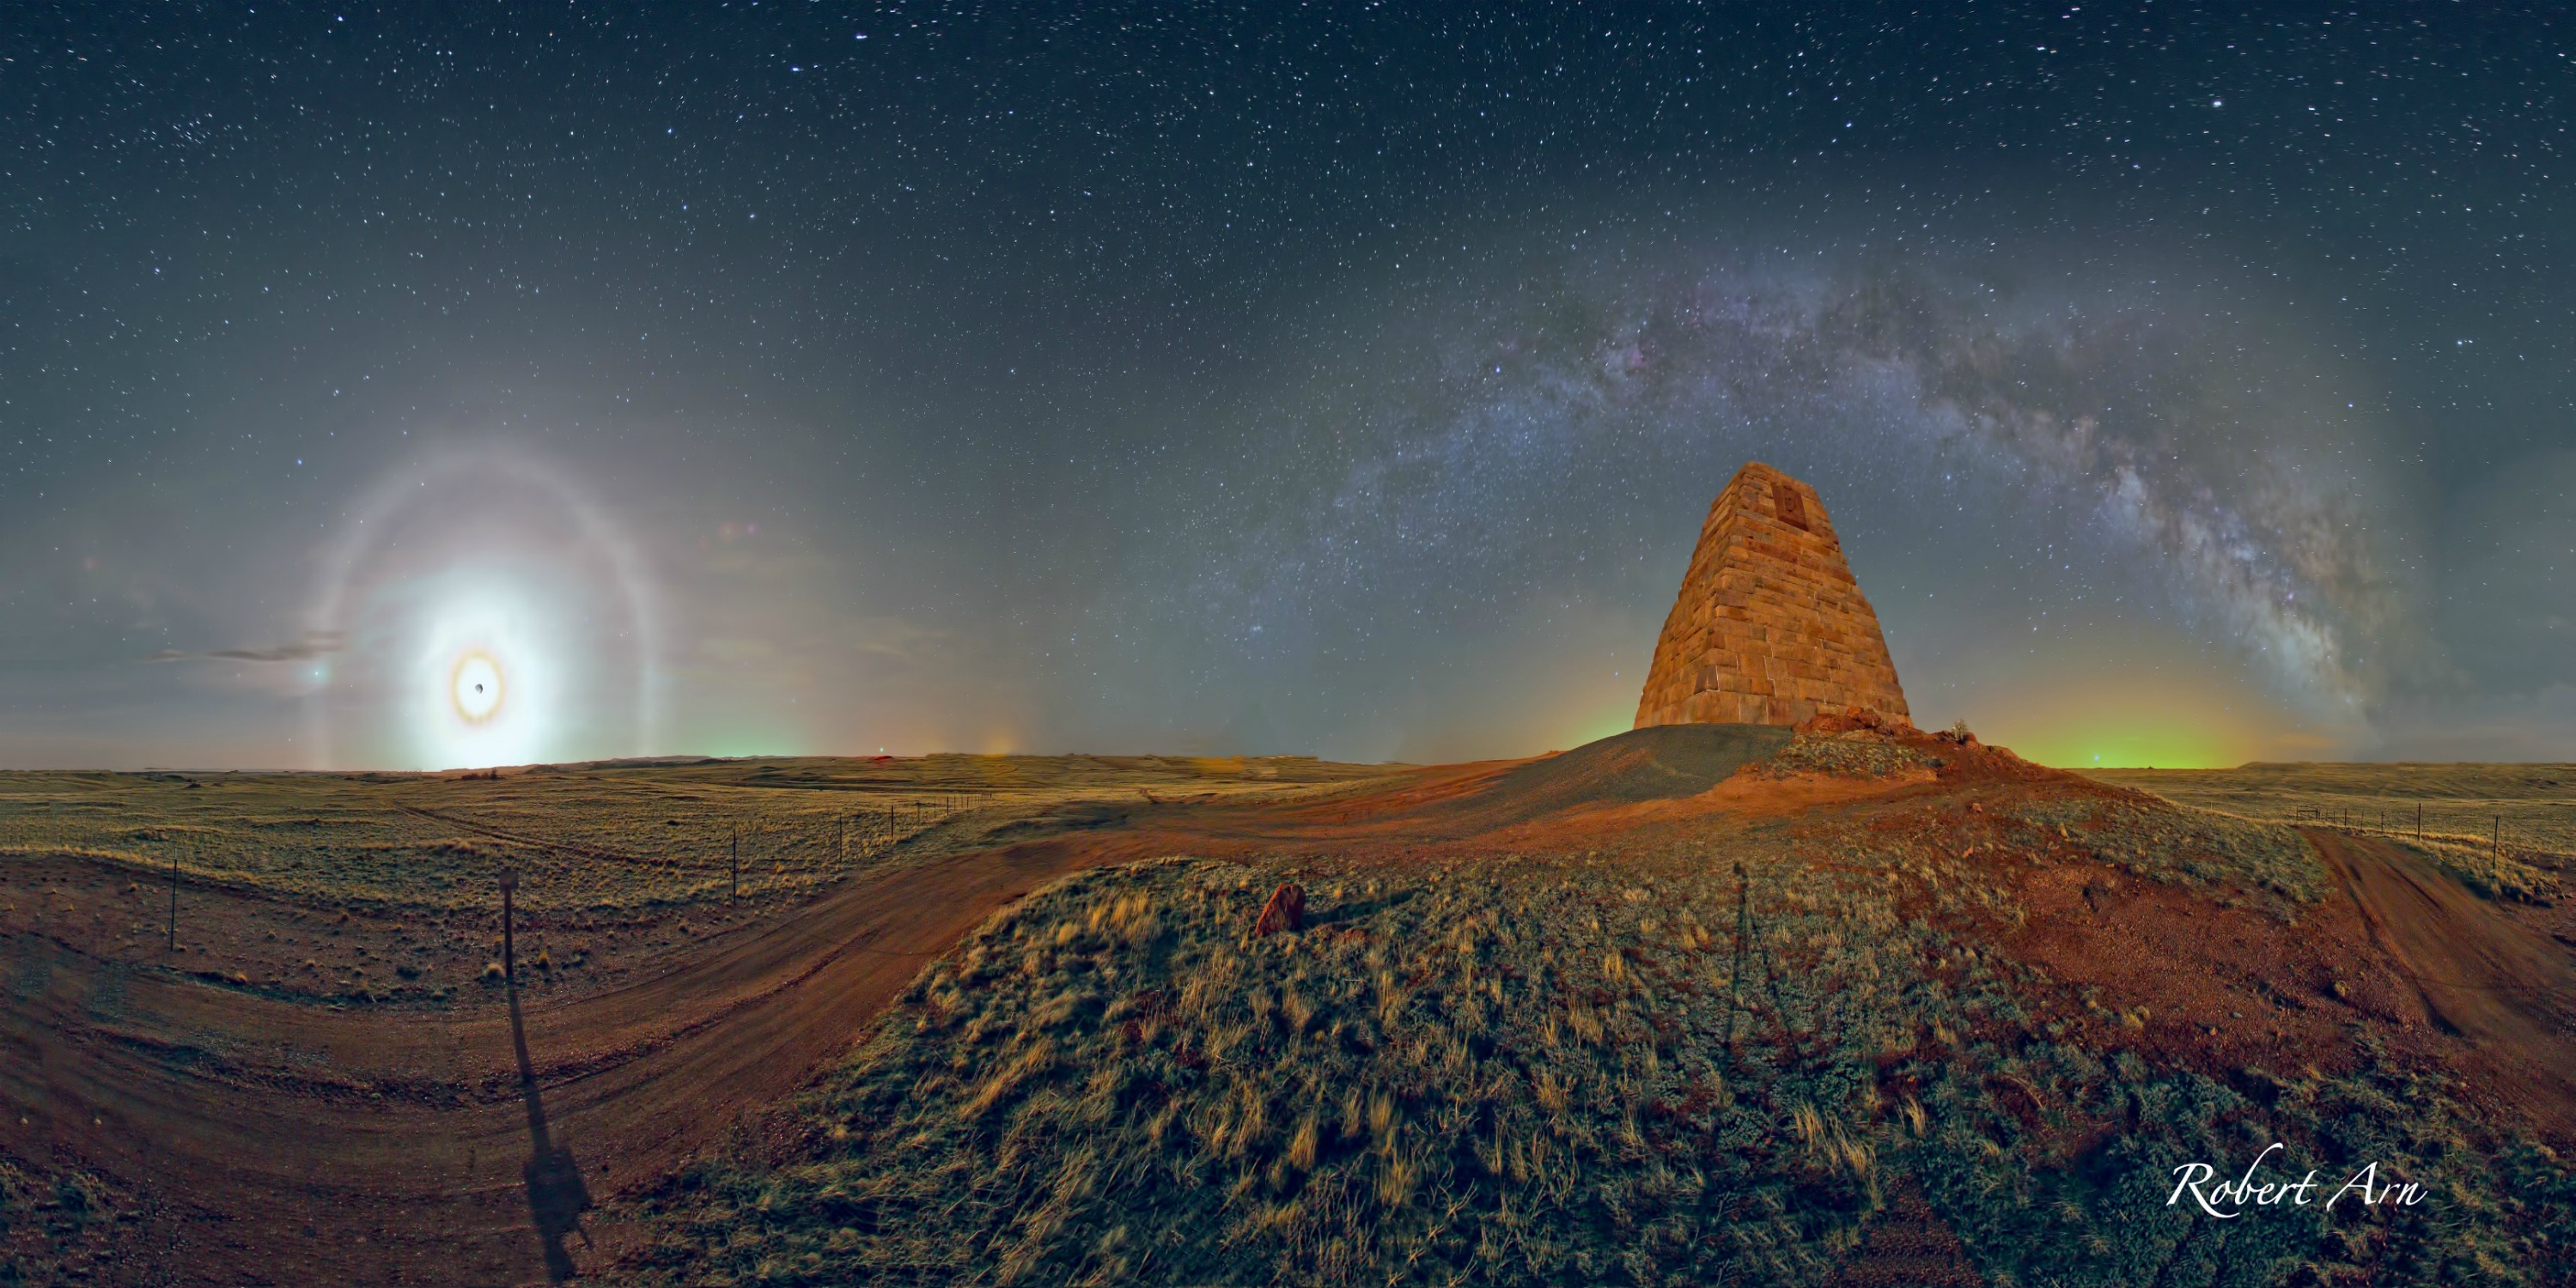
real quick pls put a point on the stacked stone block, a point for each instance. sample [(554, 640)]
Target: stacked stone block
[(1770, 626)]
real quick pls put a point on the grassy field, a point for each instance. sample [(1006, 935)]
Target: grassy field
[(1567, 1067), (2506, 829), (55, 1226), (1639, 1041), (380, 888), (602, 838)]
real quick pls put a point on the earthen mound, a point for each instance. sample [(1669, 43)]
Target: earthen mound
[(1855, 719), (1662, 762)]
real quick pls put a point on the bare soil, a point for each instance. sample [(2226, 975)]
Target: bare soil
[(2400, 951), (2487, 979)]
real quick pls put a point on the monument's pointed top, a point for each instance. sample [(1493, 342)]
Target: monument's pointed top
[(1770, 626)]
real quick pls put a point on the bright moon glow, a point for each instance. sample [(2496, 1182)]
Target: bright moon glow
[(476, 687), (469, 619), (493, 616)]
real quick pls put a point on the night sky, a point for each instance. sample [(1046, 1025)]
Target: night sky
[(2188, 385)]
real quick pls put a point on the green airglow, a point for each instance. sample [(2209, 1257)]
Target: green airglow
[(2130, 742), (1605, 723)]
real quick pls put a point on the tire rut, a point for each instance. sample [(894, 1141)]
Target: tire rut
[(2507, 990), (274, 1175)]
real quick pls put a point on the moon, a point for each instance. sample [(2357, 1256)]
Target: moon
[(474, 687)]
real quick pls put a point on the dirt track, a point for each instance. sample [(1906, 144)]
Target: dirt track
[(365, 1147), (2509, 991)]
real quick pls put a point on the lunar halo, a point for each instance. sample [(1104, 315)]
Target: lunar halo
[(494, 614)]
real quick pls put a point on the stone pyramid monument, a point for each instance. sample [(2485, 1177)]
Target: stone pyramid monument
[(1770, 627)]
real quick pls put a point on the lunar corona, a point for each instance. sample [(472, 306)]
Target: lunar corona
[(475, 687), (493, 615)]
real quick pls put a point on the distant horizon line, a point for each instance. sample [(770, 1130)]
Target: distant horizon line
[(692, 758)]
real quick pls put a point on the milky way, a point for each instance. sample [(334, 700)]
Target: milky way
[(2121, 417)]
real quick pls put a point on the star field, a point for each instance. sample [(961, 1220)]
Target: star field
[(1346, 380)]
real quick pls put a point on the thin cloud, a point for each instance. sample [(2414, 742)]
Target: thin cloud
[(305, 648)]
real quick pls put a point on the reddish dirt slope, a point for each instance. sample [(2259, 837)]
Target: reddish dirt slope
[(2484, 976), (2437, 973)]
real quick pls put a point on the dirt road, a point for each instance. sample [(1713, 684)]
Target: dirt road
[(280, 1142), (2506, 989)]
